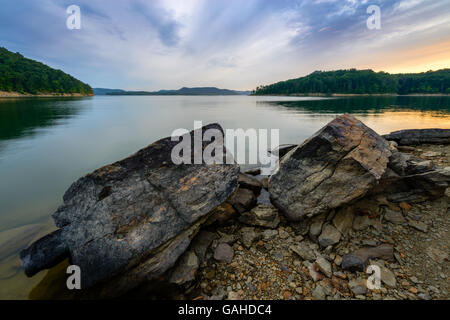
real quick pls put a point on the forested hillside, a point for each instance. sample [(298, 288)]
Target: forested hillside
[(19, 74), (362, 82)]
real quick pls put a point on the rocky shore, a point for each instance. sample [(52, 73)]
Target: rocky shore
[(342, 200)]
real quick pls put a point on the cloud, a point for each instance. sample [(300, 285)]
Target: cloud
[(150, 45)]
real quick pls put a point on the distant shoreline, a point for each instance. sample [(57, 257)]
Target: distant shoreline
[(4, 94), (13, 94), (355, 95)]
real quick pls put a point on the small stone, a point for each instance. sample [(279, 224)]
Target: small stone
[(318, 293), (324, 266), (216, 297), (394, 216), (361, 222), (437, 254), (242, 200), (343, 220), (277, 255), (434, 289), (413, 290), (211, 274), (228, 238), (287, 295), (358, 287), (357, 261), (387, 276), (283, 234), (248, 182), (251, 287), (405, 206), (312, 272), (269, 234), (424, 296), (418, 225), (316, 226), (431, 154), (261, 216), (304, 251), (340, 275), (224, 253), (248, 236), (233, 296), (369, 243), (329, 236)]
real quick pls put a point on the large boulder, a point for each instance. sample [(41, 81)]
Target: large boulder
[(337, 165), (419, 136), (130, 221)]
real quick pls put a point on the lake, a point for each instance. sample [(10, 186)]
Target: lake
[(47, 143)]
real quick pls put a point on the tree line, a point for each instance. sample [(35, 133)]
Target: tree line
[(19, 74), (362, 82)]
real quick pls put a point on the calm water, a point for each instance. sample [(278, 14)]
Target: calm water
[(46, 144)]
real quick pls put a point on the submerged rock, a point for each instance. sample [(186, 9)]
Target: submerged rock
[(44, 253), (338, 164), (13, 240), (130, 221)]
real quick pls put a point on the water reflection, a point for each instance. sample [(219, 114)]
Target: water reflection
[(376, 104), (21, 117)]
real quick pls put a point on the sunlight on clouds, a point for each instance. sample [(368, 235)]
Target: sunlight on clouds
[(151, 45)]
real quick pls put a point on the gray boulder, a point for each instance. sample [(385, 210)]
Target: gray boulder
[(130, 221), (419, 136), (412, 181), (337, 165)]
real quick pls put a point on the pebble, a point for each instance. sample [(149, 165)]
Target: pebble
[(324, 266), (318, 293)]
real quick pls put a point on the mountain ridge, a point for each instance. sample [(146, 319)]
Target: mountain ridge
[(182, 91)]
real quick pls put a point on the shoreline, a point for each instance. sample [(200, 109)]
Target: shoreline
[(13, 94), (354, 95)]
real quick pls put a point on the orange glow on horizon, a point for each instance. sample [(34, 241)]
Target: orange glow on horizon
[(432, 57)]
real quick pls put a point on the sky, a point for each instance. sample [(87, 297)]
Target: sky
[(234, 44)]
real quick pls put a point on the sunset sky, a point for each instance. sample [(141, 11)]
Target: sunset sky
[(235, 44)]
